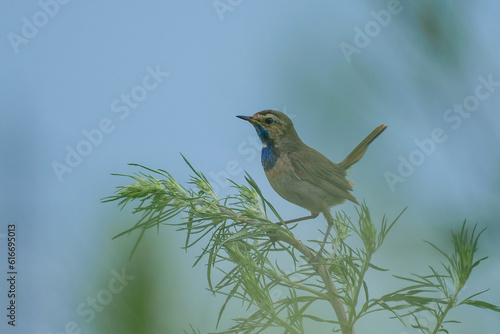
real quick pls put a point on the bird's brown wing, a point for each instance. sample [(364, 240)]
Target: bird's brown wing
[(313, 167)]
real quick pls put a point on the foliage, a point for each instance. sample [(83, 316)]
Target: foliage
[(238, 239)]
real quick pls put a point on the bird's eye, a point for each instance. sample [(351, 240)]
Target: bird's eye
[(269, 120)]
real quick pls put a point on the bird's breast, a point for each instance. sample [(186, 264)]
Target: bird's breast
[(269, 156)]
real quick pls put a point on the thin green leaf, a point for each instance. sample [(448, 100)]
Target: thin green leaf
[(482, 304)]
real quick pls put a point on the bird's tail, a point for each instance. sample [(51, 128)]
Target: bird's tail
[(360, 150)]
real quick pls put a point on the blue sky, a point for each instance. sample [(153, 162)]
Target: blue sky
[(124, 82)]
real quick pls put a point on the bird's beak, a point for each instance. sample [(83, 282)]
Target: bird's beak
[(249, 119)]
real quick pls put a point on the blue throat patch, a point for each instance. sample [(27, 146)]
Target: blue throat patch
[(268, 155)]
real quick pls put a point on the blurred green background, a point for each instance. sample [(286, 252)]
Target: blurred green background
[(338, 69)]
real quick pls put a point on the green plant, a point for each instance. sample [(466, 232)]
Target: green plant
[(432, 293), (250, 251)]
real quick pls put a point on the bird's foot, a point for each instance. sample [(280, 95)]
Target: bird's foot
[(296, 220), (317, 258)]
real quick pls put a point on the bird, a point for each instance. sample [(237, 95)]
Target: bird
[(301, 174)]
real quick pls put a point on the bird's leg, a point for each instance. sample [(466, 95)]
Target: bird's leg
[(329, 220), (312, 216)]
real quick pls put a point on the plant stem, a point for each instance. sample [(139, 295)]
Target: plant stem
[(333, 298), (449, 306), (322, 270), (352, 315)]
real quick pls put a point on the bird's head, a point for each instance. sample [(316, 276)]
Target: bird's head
[(272, 126)]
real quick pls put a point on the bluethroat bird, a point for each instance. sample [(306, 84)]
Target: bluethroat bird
[(299, 173)]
